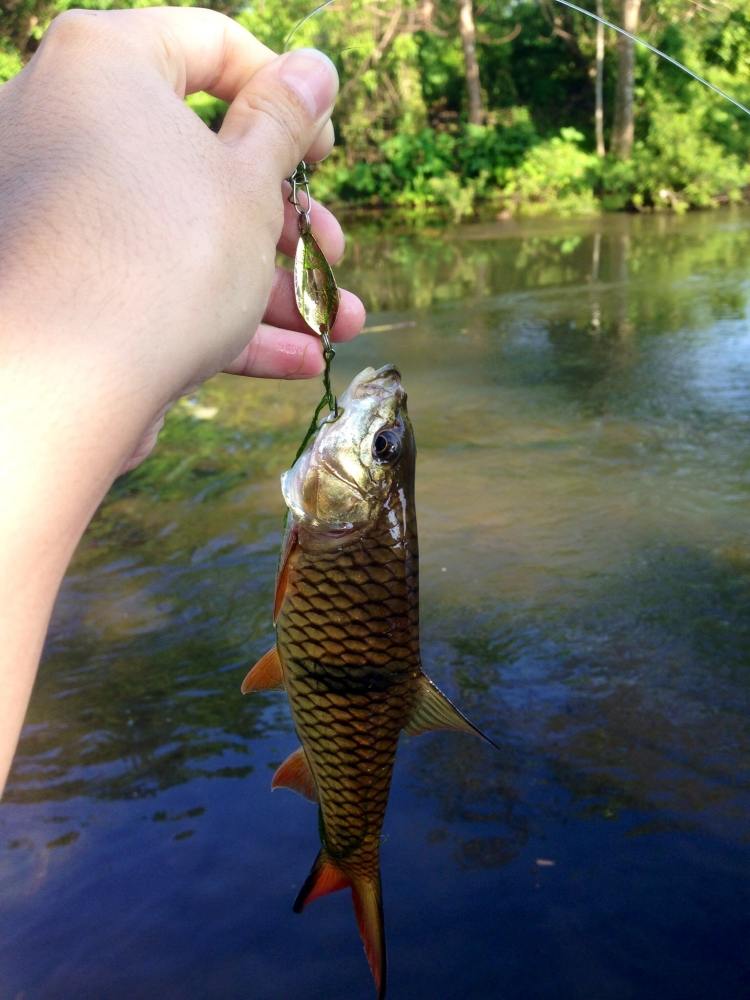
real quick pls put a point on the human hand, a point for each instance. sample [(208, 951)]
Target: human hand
[(145, 242), (137, 258)]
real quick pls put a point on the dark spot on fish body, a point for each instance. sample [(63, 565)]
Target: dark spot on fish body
[(338, 678)]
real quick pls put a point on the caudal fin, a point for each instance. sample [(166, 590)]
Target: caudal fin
[(368, 907), (326, 877)]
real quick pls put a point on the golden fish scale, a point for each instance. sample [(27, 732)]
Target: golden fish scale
[(348, 634)]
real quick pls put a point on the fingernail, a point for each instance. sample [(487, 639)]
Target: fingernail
[(313, 77)]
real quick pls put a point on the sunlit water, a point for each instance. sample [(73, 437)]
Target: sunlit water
[(581, 398)]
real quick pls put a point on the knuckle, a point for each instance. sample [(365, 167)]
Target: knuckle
[(95, 34), (72, 26)]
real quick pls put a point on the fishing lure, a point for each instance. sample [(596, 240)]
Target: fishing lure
[(315, 288)]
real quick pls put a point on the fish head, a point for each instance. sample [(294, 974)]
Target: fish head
[(358, 462)]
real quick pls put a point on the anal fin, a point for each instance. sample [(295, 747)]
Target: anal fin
[(295, 773), (433, 710), (266, 675)]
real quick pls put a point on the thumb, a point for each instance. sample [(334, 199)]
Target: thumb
[(283, 108)]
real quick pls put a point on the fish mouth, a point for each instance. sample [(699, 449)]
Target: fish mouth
[(383, 381), (387, 372)]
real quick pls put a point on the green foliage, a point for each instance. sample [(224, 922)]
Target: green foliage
[(437, 171), (676, 167), (557, 173), (401, 120), (210, 109), (10, 60)]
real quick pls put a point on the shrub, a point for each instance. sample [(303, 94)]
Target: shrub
[(556, 174), (676, 167)]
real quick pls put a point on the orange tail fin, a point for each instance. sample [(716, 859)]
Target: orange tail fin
[(325, 877), (368, 907)]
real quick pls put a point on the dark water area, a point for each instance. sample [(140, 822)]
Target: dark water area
[(580, 393)]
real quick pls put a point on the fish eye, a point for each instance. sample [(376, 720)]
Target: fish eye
[(386, 446)]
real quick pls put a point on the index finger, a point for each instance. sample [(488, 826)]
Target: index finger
[(192, 48), (205, 50)]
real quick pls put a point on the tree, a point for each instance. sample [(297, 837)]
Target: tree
[(623, 129), (599, 83), (469, 41)]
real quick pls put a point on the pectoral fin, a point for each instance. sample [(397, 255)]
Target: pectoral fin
[(288, 545), (266, 675), (433, 710), (295, 773)]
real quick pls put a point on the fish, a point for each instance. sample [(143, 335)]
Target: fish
[(347, 650)]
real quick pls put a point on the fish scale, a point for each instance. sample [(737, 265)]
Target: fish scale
[(343, 671)]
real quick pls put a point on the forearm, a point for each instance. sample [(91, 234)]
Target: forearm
[(61, 444)]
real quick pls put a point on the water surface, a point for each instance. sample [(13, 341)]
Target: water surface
[(581, 398)]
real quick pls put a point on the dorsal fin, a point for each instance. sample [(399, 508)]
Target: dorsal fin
[(432, 710), (266, 675), (295, 773)]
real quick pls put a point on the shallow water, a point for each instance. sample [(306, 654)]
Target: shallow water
[(581, 398)]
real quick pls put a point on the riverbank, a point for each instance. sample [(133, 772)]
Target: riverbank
[(509, 170)]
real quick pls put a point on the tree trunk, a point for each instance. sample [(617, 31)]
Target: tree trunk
[(468, 40), (599, 82), (622, 132)]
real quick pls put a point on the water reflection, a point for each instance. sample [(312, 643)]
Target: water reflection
[(147, 665), (581, 397)]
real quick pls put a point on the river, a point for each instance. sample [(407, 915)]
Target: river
[(580, 392)]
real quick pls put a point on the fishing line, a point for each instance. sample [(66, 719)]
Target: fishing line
[(315, 287), (651, 48), (304, 20), (586, 13)]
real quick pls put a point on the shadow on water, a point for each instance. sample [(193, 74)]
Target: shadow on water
[(581, 398)]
